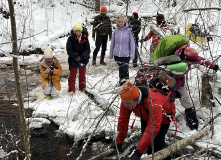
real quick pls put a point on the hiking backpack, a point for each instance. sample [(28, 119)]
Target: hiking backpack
[(168, 45), (158, 78)]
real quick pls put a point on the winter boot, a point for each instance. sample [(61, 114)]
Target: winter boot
[(191, 118), (102, 60), (93, 63)]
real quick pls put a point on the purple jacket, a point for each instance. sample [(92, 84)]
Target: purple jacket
[(122, 43), (200, 60)]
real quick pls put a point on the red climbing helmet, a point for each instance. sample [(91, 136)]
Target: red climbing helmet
[(191, 54)]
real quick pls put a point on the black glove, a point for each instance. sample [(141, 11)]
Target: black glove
[(78, 58), (113, 146), (216, 68), (135, 155)]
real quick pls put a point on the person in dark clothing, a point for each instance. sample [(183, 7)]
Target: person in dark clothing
[(135, 25), (78, 50), (102, 28)]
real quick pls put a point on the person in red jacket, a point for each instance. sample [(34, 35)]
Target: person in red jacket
[(135, 100), (156, 39)]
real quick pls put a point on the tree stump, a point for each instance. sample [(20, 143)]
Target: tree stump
[(207, 96)]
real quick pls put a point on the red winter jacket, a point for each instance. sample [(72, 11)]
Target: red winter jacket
[(160, 105), (155, 39)]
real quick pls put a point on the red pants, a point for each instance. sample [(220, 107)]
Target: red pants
[(72, 78)]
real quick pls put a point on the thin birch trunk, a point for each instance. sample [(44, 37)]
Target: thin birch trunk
[(25, 135)]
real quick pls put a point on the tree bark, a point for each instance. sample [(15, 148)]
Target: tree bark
[(97, 5), (178, 145), (207, 96), (25, 135)]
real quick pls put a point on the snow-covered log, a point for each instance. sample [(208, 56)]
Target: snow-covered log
[(178, 145)]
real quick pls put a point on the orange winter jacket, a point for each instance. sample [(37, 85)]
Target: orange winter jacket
[(55, 78)]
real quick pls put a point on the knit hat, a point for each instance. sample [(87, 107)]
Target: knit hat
[(135, 14), (48, 52), (78, 27), (160, 17), (129, 91), (104, 8), (191, 54)]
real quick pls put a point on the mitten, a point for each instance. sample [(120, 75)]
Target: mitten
[(135, 155), (113, 146), (216, 68), (78, 58)]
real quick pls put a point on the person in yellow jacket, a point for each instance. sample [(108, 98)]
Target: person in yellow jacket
[(50, 69)]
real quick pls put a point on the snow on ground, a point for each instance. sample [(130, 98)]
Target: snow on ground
[(77, 115)]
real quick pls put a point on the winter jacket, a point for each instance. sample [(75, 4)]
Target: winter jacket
[(143, 109), (135, 25), (155, 39), (200, 60), (54, 77), (122, 43), (102, 26), (75, 48)]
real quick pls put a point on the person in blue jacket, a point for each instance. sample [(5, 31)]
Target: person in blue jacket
[(122, 48)]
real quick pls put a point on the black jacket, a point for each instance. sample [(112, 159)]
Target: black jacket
[(135, 25), (102, 26), (75, 48)]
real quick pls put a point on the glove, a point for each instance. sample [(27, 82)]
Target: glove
[(110, 38), (216, 68), (113, 146), (78, 58), (135, 155), (93, 38)]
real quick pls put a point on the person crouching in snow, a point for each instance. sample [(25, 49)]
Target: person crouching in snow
[(50, 69), (134, 99), (78, 50)]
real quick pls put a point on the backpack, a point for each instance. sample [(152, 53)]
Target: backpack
[(168, 45), (158, 78), (194, 32)]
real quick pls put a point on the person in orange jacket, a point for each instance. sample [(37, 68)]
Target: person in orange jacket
[(134, 99), (50, 69)]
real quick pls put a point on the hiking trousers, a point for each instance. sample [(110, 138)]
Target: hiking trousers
[(72, 78), (50, 89), (100, 41)]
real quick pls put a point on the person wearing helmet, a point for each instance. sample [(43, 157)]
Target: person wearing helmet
[(102, 29), (190, 56), (156, 39)]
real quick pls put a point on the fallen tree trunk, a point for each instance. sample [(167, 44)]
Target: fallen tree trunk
[(178, 145)]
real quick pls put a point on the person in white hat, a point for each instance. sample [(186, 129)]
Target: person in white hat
[(50, 69)]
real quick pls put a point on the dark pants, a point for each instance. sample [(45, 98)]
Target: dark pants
[(123, 68), (136, 49), (100, 40), (72, 78), (159, 141)]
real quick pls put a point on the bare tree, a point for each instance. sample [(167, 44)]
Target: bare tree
[(25, 135)]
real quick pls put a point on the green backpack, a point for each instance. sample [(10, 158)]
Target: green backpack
[(168, 45)]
